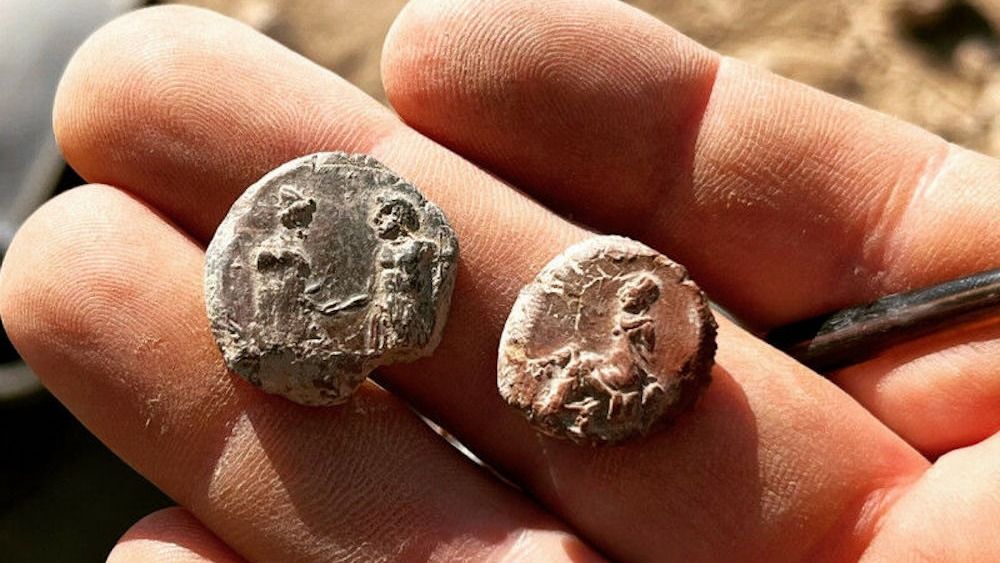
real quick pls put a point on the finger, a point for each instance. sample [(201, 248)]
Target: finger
[(103, 298), (717, 482), (147, 138), (171, 534), (783, 201), (941, 392), (949, 513)]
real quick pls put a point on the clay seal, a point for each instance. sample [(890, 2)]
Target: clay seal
[(609, 340), (327, 267)]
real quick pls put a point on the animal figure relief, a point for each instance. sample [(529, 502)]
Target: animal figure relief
[(608, 341), (584, 381)]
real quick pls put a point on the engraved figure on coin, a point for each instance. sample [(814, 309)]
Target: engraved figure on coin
[(621, 374), (609, 340), (327, 267), (559, 381), (281, 258), (402, 285), (624, 374)]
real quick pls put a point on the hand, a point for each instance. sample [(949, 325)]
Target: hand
[(782, 201)]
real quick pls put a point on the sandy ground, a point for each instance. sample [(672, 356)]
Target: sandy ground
[(931, 62)]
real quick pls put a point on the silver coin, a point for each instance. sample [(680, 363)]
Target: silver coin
[(608, 340), (327, 267)]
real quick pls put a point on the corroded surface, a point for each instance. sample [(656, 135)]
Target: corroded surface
[(610, 338), (327, 267)]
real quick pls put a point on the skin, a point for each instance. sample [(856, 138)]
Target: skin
[(782, 202)]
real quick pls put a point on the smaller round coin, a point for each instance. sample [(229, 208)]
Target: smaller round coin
[(610, 339), (327, 267)]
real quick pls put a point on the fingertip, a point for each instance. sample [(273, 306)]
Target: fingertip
[(73, 268), (31, 288), (131, 88), (535, 91), (413, 66), (116, 74), (172, 534), (171, 96)]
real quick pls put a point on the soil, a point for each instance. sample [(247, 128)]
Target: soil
[(935, 63)]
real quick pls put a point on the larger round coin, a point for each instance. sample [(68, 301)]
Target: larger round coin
[(326, 268), (609, 339)]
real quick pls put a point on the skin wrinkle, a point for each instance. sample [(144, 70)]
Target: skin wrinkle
[(659, 209), (891, 216), (966, 488), (928, 214), (816, 145), (857, 526)]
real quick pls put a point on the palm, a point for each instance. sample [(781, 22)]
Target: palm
[(783, 202)]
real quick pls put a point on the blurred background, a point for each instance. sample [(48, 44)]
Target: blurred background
[(65, 497)]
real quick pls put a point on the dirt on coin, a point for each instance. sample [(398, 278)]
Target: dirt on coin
[(327, 267), (610, 339)]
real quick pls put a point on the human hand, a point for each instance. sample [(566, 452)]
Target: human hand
[(783, 202)]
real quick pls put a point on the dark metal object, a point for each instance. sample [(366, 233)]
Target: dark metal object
[(327, 267), (849, 336), (609, 340)]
